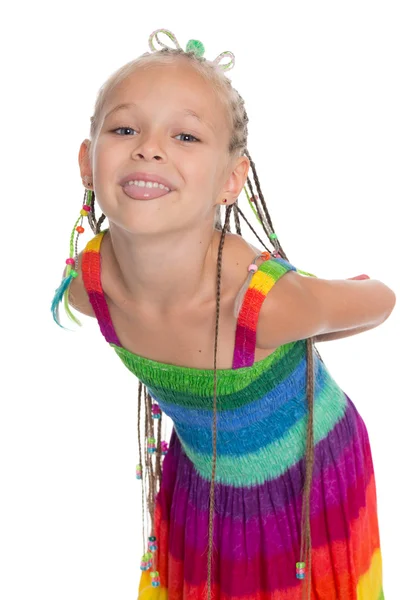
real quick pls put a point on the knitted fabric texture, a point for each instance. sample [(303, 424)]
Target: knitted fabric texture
[(261, 432)]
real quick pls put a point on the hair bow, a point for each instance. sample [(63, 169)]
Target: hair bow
[(192, 46)]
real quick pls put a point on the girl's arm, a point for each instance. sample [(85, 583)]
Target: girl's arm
[(337, 335), (299, 307)]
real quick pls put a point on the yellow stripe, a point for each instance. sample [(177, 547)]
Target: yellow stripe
[(148, 592), (262, 282), (94, 244), (370, 584)]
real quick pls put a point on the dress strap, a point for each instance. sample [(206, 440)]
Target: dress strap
[(91, 276), (267, 274)]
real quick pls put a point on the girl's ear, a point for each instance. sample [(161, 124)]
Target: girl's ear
[(84, 161), (236, 179)]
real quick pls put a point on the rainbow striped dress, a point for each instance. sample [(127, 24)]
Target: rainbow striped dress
[(261, 434)]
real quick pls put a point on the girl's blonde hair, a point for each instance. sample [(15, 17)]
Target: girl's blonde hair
[(237, 119)]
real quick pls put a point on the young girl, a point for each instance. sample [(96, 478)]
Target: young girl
[(267, 489)]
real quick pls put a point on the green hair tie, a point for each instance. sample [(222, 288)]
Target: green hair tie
[(195, 46)]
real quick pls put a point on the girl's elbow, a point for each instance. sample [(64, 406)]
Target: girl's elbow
[(391, 302)]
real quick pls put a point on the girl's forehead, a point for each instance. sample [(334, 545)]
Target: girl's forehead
[(183, 90), (178, 79)]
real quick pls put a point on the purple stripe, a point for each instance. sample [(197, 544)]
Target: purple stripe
[(100, 308), (338, 495), (245, 343)]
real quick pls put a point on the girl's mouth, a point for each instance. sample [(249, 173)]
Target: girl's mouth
[(138, 192)]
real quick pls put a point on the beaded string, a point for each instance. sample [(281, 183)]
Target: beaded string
[(155, 448), (71, 272), (273, 236)]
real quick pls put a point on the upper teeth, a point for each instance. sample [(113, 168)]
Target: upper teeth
[(148, 184)]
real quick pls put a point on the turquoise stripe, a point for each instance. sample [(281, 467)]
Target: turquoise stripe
[(272, 461)]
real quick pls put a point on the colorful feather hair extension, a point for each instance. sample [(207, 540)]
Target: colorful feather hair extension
[(61, 293)]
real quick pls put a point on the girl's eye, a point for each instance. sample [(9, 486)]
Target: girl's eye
[(187, 135), (119, 129), (184, 134)]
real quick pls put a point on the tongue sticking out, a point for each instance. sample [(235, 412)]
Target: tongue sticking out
[(143, 193)]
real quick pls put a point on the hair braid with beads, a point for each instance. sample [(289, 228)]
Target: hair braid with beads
[(237, 146)]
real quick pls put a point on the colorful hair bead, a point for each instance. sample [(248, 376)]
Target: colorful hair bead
[(266, 255), (251, 203), (253, 267), (164, 448), (80, 229), (155, 578), (155, 411), (300, 570), (146, 562), (152, 544), (139, 474), (273, 236), (151, 445)]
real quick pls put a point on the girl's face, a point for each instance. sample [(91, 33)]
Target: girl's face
[(155, 134)]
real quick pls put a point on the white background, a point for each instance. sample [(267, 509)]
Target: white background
[(321, 85)]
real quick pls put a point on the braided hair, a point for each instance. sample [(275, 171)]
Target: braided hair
[(238, 118)]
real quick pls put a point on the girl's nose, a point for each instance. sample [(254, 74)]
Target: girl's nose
[(149, 147)]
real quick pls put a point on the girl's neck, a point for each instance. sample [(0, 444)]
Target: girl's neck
[(162, 273)]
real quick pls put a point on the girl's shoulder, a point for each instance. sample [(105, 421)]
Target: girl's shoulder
[(237, 255)]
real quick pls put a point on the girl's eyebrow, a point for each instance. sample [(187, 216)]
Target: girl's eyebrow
[(192, 113), (187, 111), (119, 107)]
